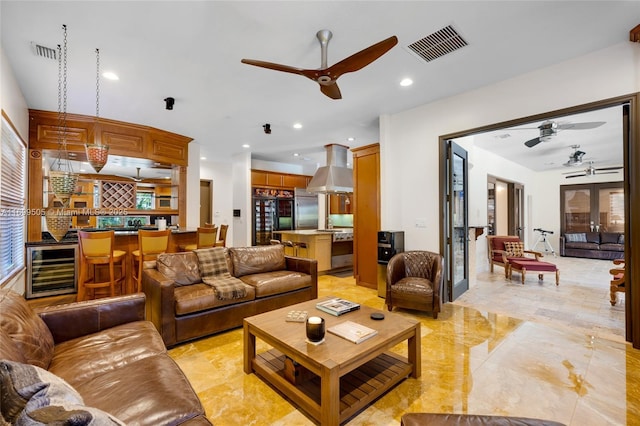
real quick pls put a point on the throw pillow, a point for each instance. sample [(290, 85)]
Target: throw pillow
[(182, 268), (514, 249), (213, 262), (580, 237), (33, 396)]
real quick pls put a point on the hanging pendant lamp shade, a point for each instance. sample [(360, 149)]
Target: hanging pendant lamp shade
[(97, 154)]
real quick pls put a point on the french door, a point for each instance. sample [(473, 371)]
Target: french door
[(456, 222)]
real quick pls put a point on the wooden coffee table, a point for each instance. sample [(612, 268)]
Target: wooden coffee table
[(347, 377)]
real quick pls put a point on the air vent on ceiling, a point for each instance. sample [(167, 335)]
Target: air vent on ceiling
[(45, 52), (438, 44)]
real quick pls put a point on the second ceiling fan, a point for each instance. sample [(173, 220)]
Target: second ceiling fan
[(327, 76)]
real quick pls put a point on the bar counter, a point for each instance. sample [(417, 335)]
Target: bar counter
[(126, 240)]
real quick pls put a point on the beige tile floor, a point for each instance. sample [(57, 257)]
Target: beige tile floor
[(502, 349)]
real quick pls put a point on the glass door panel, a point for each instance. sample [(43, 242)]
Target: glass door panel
[(457, 255), (577, 210)]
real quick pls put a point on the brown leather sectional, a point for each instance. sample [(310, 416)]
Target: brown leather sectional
[(106, 351), (183, 308)]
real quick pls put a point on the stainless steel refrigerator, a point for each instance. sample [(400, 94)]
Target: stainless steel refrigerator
[(306, 209)]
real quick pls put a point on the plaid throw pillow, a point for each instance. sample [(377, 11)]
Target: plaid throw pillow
[(514, 249), (213, 262)]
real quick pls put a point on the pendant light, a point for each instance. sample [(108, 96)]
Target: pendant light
[(62, 179), (97, 154)]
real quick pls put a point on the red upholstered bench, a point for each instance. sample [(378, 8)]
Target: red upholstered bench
[(530, 265)]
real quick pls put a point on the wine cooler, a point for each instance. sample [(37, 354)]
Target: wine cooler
[(51, 269)]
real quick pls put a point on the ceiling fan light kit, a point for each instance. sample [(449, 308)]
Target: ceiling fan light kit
[(327, 76)]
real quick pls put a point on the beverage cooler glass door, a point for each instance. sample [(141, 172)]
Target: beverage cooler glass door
[(285, 214), (264, 215), (51, 270)]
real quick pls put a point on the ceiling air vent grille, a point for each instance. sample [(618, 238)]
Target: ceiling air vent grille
[(45, 52), (438, 44)]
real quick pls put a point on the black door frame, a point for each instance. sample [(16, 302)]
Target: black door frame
[(631, 146)]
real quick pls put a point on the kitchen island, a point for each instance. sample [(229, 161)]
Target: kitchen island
[(315, 244)]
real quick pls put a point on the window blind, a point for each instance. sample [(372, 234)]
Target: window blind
[(12, 201)]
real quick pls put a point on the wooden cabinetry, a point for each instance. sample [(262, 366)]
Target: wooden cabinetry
[(366, 214), (266, 179), (340, 204), (123, 139)]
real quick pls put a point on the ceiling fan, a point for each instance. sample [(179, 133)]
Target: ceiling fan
[(135, 178), (550, 128), (592, 171), (575, 159), (327, 76)]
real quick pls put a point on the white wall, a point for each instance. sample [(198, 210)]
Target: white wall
[(14, 106), (409, 140), (241, 175), (222, 203)]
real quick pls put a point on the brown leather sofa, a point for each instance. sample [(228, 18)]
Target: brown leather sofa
[(183, 308), (433, 419), (105, 350), (593, 245)]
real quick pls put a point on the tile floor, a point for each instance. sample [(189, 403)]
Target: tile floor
[(502, 349)]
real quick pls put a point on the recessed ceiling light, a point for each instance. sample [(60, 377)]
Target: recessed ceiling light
[(295, 154), (110, 75), (297, 126), (203, 158), (246, 145), (351, 139), (406, 82)]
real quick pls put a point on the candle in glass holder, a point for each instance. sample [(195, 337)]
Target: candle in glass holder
[(315, 329)]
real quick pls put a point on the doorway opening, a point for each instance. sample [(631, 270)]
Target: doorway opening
[(548, 202), (206, 202), (505, 207)]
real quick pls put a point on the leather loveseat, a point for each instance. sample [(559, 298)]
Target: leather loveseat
[(93, 362), (183, 307), (594, 245)]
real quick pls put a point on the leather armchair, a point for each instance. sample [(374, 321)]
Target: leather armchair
[(414, 281)]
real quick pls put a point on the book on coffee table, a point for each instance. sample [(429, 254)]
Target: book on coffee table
[(337, 306), (352, 331)]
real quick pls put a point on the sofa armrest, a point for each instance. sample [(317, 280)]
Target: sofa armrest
[(305, 266), (562, 247), (78, 319), (160, 303)]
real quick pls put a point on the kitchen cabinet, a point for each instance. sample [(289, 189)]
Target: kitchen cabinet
[(340, 204), (267, 179), (366, 214), (318, 246)]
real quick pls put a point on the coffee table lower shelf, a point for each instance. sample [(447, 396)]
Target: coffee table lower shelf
[(358, 388)]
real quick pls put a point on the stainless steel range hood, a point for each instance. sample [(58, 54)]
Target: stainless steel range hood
[(335, 177)]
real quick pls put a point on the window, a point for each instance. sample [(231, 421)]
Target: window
[(12, 201)]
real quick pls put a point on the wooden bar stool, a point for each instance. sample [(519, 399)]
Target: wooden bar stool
[(222, 238), (96, 248), (150, 245), (205, 237)]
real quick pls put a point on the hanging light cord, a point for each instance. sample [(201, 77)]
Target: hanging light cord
[(97, 83), (62, 103)]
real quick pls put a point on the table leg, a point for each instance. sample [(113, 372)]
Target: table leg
[(330, 396), (557, 277), (249, 349), (524, 271), (415, 355)]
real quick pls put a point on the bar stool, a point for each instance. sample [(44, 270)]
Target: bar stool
[(150, 245), (205, 238), (96, 248), (222, 238)]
